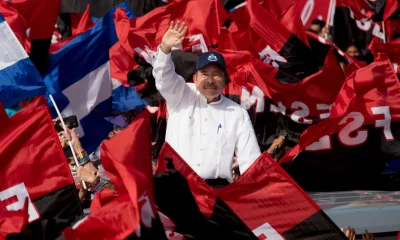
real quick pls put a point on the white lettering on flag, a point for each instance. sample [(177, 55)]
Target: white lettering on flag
[(269, 56), (256, 97), (266, 231), (21, 193)]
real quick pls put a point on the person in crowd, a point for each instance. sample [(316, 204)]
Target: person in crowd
[(204, 127), (351, 234), (94, 177), (316, 26), (353, 50)]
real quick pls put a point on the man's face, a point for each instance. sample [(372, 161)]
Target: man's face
[(210, 80)]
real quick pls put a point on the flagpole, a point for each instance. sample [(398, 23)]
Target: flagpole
[(384, 32), (65, 129)]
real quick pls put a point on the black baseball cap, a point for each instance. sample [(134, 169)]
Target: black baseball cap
[(210, 58)]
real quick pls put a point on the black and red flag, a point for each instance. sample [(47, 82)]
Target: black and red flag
[(287, 13), (277, 108), (263, 203), (348, 30), (351, 148), (377, 10), (391, 49), (130, 211), (256, 30), (33, 166)]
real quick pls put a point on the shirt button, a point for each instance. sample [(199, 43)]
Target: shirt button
[(204, 134), (201, 149), (205, 120), (198, 165)]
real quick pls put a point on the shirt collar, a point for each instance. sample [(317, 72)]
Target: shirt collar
[(204, 99)]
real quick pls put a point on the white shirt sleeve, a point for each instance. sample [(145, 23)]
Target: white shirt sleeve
[(171, 86), (246, 149)]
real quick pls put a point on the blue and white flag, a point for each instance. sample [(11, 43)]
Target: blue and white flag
[(79, 80), (124, 98), (19, 78)]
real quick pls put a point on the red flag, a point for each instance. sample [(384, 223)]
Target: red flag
[(322, 40), (276, 107), (392, 29), (13, 221), (391, 49), (127, 161), (204, 19), (379, 10), (310, 11), (81, 22), (3, 114), (115, 220), (320, 88), (30, 144), (288, 14), (40, 16), (372, 91), (279, 209), (256, 30), (15, 21)]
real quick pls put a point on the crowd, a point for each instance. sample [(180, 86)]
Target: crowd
[(188, 96)]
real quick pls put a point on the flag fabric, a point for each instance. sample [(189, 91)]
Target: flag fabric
[(378, 11), (391, 49), (40, 16), (13, 222), (101, 7), (360, 137), (30, 144), (79, 80), (324, 41), (79, 23), (277, 108), (346, 29), (16, 23), (262, 203), (287, 13), (146, 32), (20, 79), (131, 212), (3, 114), (256, 30), (392, 29), (310, 10)]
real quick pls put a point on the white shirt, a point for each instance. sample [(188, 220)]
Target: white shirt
[(205, 135)]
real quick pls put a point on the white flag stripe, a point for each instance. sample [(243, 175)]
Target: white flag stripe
[(11, 50)]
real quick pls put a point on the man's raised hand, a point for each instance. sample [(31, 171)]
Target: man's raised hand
[(174, 36)]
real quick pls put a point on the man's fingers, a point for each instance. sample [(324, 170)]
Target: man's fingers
[(176, 27), (171, 25), (181, 27), (185, 29)]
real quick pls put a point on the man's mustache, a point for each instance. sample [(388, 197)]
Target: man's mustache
[(210, 86)]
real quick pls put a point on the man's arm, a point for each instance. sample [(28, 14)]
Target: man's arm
[(171, 86), (246, 149)]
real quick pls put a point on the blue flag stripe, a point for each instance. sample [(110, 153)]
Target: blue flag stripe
[(19, 78)]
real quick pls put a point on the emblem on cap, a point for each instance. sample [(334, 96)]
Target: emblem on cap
[(212, 58)]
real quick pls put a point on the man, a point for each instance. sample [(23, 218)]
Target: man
[(204, 127)]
